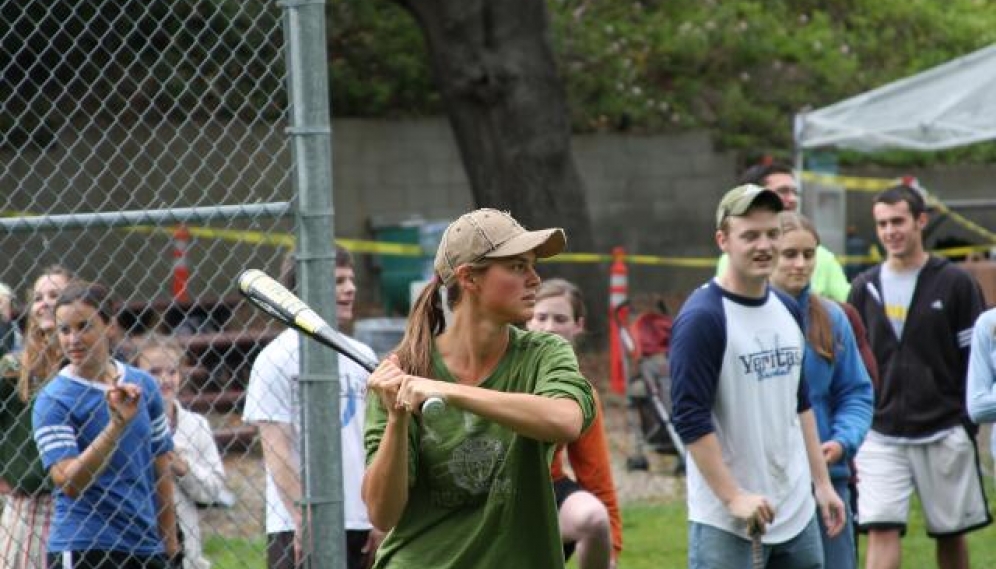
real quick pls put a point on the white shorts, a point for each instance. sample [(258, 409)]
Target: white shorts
[(945, 474)]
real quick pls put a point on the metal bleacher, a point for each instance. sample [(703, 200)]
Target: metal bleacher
[(222, 337)]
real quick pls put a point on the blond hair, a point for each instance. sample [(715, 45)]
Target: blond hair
[(42, 357), (153, 342)]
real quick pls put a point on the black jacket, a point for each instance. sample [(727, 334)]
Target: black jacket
[(922, 387)]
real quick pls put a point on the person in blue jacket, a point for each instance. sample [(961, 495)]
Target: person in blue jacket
[(840, 389)]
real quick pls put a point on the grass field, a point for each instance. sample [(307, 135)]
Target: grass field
[(656, 538)]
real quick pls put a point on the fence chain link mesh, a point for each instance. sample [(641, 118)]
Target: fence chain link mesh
[(143, 146)]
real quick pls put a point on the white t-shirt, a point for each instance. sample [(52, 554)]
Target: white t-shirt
[(736, 370), (272, 396), (898, 288)]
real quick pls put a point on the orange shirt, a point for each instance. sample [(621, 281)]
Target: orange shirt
[(589, 458)]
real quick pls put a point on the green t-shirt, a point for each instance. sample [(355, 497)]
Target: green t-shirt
[(480, 495), (20, 464), (828, 278)]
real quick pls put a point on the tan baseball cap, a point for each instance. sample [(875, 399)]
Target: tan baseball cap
[(737, 201), (489, 234)]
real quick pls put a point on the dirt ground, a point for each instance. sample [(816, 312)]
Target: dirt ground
[(658, 483)]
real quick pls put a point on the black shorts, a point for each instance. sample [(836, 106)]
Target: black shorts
[(280, 549), (562, 489)]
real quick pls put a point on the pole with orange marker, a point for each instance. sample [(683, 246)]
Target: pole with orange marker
[(618, 292), (181, 272)]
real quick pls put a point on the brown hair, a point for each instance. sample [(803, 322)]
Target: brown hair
[(288, 266), (819, 333), (758, 173), (41, 357), (426, 321), (554, 288), (903, 193), (94, 295)]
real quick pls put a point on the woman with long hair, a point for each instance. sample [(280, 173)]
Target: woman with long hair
[(470, 486), (590, 521), (840, 389), (103, 436), (24, 525)]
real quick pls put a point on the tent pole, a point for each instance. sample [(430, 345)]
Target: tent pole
[(797, 157)]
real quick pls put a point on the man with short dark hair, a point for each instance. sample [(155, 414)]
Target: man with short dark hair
[(828, 279), (919, 311), (742, 408), (272, 404)]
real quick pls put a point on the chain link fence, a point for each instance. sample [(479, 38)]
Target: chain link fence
[(144, 146)]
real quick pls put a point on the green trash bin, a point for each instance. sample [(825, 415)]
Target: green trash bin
[(398, 271)]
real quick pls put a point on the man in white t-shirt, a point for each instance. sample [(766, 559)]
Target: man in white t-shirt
[(272, 404), (756, 473)]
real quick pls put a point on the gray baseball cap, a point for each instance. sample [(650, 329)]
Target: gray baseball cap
[(740, 199)]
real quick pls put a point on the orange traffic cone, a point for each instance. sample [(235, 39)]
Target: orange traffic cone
[(181, 272), (618, 316)]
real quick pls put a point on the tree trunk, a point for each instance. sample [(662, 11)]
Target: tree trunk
[(495, 70)]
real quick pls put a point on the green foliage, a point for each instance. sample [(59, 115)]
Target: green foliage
[(741, 68), (744, 68), (378, 64)]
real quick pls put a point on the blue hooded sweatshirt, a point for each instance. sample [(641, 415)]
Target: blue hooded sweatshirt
[(840, 390)]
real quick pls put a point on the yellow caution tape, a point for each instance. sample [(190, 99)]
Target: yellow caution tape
[(861, 184), (961, 251), (687, 262), (856, 183), (874, 259), (273, 239), (579, 258), (381, 247), (962, 220), (696, 263), (287, 240)]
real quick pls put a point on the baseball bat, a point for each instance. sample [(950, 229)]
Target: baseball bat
[(273, 298)]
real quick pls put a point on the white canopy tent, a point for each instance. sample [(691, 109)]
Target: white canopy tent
[(953, 104)]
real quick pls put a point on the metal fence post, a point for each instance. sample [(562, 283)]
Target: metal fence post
[(310, 132)]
